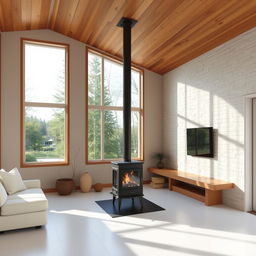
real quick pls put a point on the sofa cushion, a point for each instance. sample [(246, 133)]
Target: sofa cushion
[(29, 200), (32, 183), (3, 195), (12, 181)]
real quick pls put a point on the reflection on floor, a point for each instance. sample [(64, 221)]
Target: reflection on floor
[(78, 226)]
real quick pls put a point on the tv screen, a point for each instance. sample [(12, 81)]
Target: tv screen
[(191, 142), (200, 141)]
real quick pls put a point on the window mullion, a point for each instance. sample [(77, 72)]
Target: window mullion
[(102, 134), (102, 111), (44, 105), (139, 133), (117, 108), (141, 117)]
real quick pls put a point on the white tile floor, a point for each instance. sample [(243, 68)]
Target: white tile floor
[(78, 226)]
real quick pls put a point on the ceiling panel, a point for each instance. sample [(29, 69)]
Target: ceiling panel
[(168, 33)]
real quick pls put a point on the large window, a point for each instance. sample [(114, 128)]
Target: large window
[(44, 99), (105, 109)]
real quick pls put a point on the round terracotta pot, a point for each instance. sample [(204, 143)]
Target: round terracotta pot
[(85, 182), (98, 187), (65, 186)]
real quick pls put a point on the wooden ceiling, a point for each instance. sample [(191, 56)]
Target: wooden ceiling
[(168, 33)]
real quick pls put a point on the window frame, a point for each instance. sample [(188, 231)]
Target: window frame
[(139, 109), (23, 103)]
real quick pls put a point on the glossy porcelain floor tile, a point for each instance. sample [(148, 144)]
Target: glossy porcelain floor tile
[(78, 226)]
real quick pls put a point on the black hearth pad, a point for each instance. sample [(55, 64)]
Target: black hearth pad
[(127, 208)]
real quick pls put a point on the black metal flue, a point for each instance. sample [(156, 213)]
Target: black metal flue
[(127, 174), (127, 25)]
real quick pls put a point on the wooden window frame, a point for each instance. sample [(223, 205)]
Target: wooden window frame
[(139, 109), (0, 101), (23, 104)]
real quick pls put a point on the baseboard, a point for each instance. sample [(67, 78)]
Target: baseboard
[(49, 190), (105, 185)]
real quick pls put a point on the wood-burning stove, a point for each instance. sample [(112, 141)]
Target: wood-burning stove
[(127, 175), (127, 181)]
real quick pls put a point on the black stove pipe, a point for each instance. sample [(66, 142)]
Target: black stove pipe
[(127, 25)]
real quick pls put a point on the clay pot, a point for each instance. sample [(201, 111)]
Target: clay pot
[(85, 182), (98, 187), (65, 186)]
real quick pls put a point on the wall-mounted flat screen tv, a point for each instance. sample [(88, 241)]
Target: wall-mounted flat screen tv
[(200, 141)]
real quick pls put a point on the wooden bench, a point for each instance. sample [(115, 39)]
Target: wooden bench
[(204, 189)]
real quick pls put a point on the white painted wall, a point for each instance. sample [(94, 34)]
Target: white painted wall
[(10, 56), (209, 91)]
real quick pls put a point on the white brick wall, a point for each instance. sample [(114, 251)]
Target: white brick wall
[(209, 91)]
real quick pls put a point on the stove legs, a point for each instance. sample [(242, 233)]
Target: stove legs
[(141, 202), (119, 204), (133, 203)]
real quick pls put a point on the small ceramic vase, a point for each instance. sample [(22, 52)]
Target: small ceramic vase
[(85, 182)]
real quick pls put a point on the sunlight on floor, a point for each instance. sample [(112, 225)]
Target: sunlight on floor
[(78, 226), (171, 237), (165, 237)]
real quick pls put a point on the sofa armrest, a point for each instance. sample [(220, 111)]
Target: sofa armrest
[(32, 183)]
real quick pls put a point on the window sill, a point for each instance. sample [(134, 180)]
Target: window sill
[(49, 164), (92, 162), (98, 162)]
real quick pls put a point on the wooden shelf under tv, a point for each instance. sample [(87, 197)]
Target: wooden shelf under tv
[(204, 189), (189, 191)]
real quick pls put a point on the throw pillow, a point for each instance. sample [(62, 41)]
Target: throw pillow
[(12, 181), (3, 195)]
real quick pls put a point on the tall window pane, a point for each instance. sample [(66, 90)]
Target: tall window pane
[(135, 80), (45, 105), (94, 79), (135, 131), (105, 110), (44, 133), (94, 134), (113, 134), (44, 74), (113, 83)]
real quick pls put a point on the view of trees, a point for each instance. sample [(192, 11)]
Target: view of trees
[(112, 131), (45, 139), (106, 121), (45, 83), (45, 125)]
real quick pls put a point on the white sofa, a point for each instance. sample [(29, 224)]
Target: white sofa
[(27, 208)]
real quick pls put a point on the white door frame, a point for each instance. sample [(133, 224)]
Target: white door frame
[(248, 151)]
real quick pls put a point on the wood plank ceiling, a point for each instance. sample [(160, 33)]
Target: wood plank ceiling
[(168, 33)]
